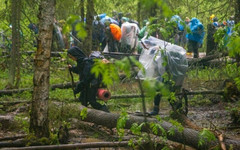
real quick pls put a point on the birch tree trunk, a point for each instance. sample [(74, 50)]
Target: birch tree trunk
[(39, 123)]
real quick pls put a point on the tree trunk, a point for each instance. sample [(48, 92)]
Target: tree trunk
[(82, 10), (189, 137), (14, 68), (139, 13), (237, 12), (89, 20), (39, 124), (18, 43)]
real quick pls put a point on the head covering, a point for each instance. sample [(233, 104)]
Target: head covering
[(211, 17), (124, 19), (215, 19), (77, 53)]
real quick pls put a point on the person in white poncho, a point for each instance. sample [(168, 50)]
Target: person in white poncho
[(129, 37)]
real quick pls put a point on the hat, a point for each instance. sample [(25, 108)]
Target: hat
[(212, 16), (125, 19)]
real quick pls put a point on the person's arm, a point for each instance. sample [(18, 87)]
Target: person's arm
[(86, 77), (75, 69)]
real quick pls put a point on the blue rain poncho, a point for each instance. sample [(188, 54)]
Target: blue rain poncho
[(179, 22), (111, 20), (197, 31)]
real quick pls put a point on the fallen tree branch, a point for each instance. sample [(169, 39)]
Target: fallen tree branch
[(205, 60), (75, 146), (53, 87), (17, 143), (218, 92), (12, 137)]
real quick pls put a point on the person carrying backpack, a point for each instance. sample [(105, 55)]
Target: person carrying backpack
[(88, 84), (113, 35)]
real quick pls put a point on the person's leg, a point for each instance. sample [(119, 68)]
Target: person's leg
[(157, 100), (195, 49), (189, 47), (82, 97)]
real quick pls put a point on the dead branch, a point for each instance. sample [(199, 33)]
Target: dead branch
[(12, 137), (53, 87), (76, 146)]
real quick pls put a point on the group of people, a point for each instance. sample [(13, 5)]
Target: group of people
[(213, 27), (119, 34)]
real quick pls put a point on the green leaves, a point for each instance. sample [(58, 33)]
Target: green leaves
[(157, 128), (121, 123), (83, 113), (234, 46), (176, 126), (108, 71), (79, 26), (205, 136)]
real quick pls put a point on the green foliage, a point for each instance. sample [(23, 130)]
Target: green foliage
[(220, 38), (234, 43), (83, 113), (33, 140), (232, 71), (23, 123), (108, 71), (136, 129), (79, 26), (156, 128), (176, 125), (153, 87), (205, 136), (121, 122)]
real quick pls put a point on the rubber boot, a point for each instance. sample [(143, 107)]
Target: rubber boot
[(104, 108), (155, 111)]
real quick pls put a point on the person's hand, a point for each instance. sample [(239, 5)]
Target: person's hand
[(75, 92), (105, 61), (69, 66)]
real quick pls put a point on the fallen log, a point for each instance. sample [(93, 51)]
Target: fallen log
[(74, 146), (118, 55), (206, 60), (218, 92), (189, 137), (53, 54), (12, 137), (17, 143), (52, 87), (6, 121)]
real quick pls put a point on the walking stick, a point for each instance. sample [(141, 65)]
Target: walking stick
[(72, 82)]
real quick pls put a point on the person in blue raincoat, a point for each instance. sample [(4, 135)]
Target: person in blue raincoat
[(195, 37), (178, 30)]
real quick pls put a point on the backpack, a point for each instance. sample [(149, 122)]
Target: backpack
[(116, 31)]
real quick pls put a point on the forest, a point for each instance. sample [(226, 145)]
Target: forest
[(122, 74)]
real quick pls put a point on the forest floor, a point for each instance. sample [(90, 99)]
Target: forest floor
[(206, 111)]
